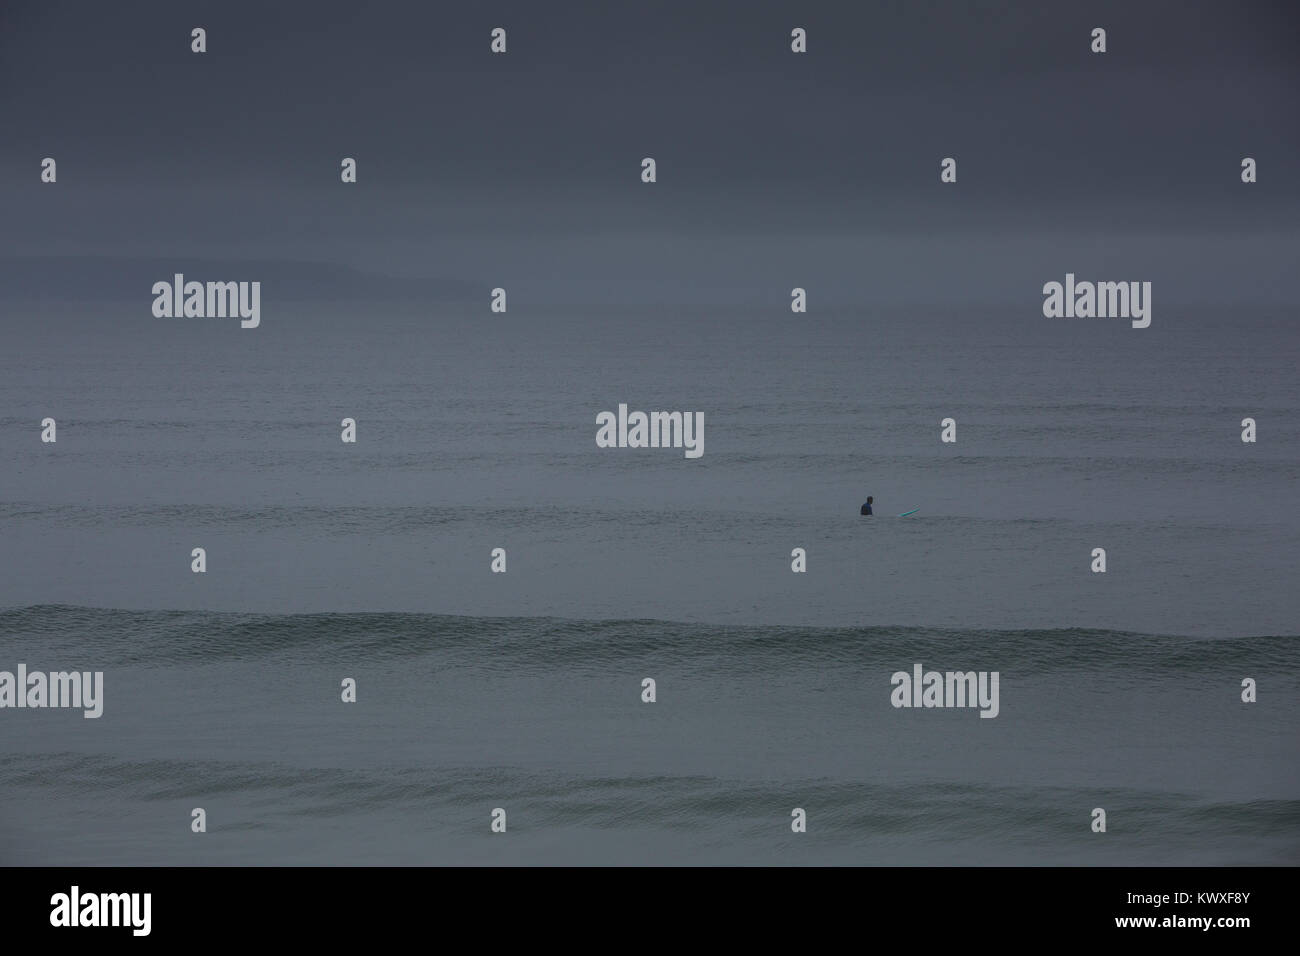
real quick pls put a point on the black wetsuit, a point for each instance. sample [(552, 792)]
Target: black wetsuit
[(866, 509)]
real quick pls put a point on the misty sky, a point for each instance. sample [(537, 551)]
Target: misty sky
[(525, 167)]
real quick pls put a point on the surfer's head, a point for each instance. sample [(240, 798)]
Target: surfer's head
[(870, 499)]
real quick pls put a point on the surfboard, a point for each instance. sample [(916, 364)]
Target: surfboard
[(912, 512)]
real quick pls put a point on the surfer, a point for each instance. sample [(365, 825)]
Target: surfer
[(866, 508)]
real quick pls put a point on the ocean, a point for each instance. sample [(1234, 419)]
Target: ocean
[(523, 690)]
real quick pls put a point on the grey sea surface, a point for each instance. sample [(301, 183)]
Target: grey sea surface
[(523, 690)]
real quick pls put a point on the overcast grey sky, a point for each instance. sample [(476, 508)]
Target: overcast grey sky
[(474, 166)]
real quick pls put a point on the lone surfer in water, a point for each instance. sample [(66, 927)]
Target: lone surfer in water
[(866, 508)]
